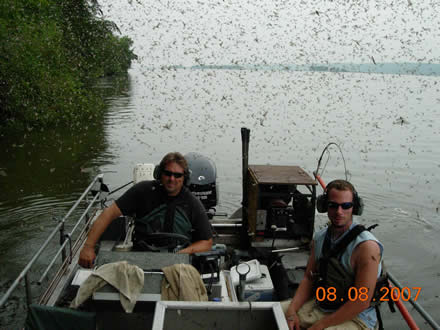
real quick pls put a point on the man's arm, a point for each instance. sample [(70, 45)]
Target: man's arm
[(303, 293), (365, 261), (199, 246), (202, 227), (87, 255)]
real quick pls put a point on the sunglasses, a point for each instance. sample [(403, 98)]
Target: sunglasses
[(177, 175), (345, 206)]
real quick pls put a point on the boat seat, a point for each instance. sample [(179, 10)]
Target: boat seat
[(150, 292), (150, 262)]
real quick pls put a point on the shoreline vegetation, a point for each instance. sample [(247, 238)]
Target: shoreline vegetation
[(419, 69), (52, 53)]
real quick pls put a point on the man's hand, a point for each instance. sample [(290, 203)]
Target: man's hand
[(316, 326), (293, 322), (87, 256)]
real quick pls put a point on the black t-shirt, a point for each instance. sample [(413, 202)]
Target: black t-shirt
[(145, 196)]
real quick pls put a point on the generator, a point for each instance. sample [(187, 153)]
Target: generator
[(280, 202)]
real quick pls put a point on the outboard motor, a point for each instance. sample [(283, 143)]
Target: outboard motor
[(202, 179)]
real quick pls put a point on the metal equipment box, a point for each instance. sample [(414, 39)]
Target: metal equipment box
[(281, 202)]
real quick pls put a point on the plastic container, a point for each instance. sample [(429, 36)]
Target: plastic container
[(260, 289), (254, 272), (142, 172)]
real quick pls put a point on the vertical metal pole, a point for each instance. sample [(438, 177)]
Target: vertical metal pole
[(87, 202), (27, 285), (244, 239), (312, 212), (62, 238)]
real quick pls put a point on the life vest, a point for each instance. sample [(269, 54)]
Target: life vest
[(332, 274), (167, 218)]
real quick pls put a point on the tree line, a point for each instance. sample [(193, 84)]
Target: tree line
[(52, 52)]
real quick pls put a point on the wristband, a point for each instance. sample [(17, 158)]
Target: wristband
[(291, 317)]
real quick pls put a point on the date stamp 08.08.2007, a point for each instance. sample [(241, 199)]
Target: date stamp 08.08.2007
[(361, 294)]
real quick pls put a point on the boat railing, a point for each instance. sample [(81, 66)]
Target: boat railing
[(97, 188)]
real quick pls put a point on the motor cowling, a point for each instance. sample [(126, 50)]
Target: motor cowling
[(202, 179)]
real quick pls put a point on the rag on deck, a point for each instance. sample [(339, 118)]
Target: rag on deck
[(182, 282), (127, 279)]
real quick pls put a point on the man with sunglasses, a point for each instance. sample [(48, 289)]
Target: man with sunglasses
[(356, 264), (163, 205)]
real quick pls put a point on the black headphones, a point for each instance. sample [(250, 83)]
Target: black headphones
[(321, 201), (157, 173)]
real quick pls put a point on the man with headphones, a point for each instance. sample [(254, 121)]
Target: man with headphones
[(342, 270), (163, 205)]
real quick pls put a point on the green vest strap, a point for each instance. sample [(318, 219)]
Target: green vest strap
[(165, 218)]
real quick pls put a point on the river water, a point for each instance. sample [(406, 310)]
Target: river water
[(207, 69)]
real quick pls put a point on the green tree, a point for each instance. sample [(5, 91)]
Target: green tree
[(51, 53)]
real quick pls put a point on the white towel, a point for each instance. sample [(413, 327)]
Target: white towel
[(127, 279), (182, 282)]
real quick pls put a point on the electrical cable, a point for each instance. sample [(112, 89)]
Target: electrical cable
[(322, 154)]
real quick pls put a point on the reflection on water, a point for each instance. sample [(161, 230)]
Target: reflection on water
[(43, 172)]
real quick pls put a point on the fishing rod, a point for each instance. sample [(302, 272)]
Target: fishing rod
[(119, 188), (403, 310)]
